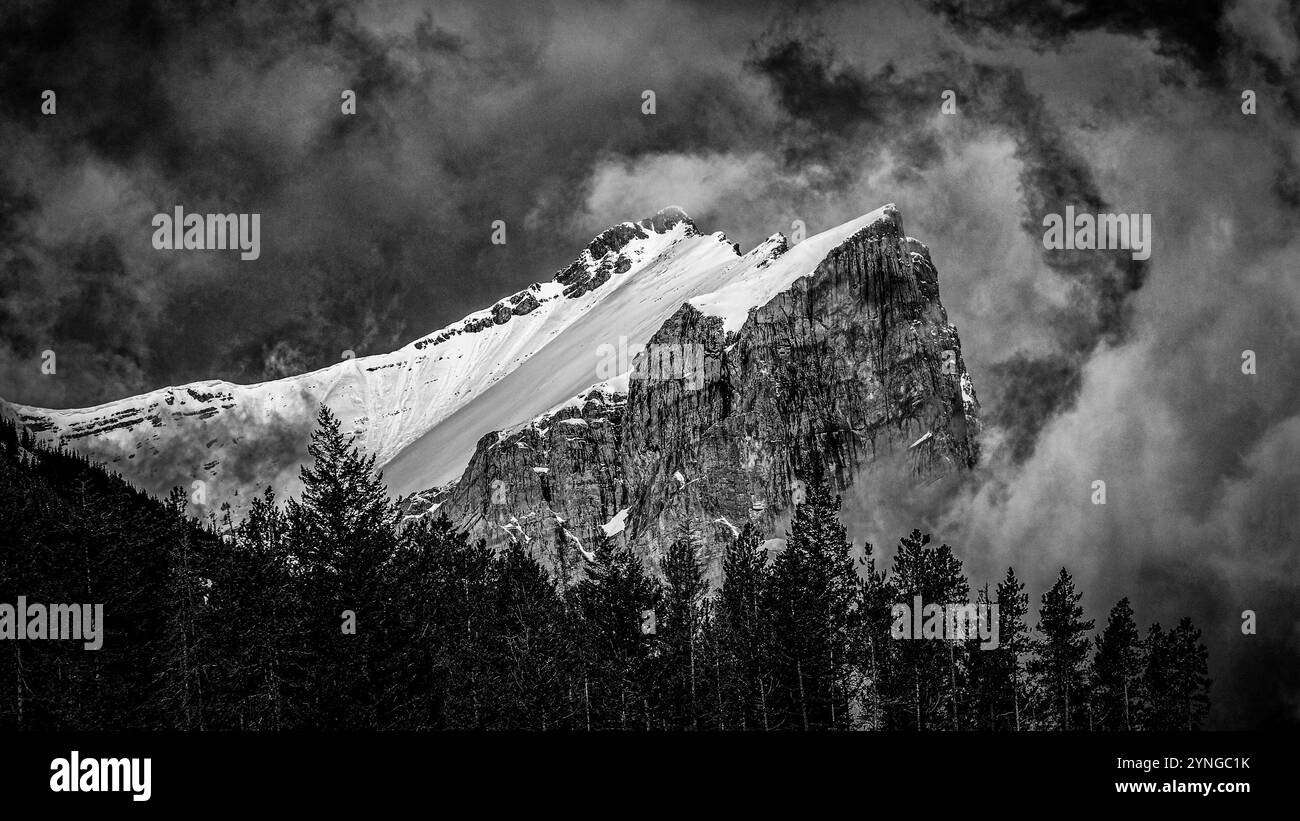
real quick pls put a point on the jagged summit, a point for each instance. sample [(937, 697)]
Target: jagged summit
[(666, 218), (616, 237), (823, 359)]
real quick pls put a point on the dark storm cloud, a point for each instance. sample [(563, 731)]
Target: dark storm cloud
[(375, 227), (136, 133), (1141, 387), (1188, 29), (848, 114)]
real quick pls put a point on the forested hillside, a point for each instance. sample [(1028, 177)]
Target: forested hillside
[(334, 611)]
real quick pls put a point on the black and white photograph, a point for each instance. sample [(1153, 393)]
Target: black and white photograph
[(580, 384)]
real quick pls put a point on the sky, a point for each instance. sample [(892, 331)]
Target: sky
[(376, 228)]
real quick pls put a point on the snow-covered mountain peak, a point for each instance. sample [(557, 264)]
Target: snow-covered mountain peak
[(666, 218), (421, 409), (825, 358), (780, 265)]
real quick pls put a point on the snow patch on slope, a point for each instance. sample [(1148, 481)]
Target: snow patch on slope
[(617, 524)]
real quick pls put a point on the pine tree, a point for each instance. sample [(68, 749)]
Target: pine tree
[(181, 686), (871, 644), (1175, 678), (1157, 708), (811, 596), (1190, 680), (1060, 667), (928, 681), (254, 619), (743, 632), (343, 535), (1014, 646), (443, 597), (614, 650), (984, 676), (532, 648), (684, 588), (1117, 670)]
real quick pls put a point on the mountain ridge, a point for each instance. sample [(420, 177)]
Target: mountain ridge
[(426, 410), (844, 361)]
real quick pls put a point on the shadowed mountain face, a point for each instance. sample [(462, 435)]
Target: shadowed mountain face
[(661, 384)]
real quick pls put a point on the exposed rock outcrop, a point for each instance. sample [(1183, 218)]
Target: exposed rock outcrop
[(852, 363)]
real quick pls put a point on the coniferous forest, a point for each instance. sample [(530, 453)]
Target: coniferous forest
[(215, 625)]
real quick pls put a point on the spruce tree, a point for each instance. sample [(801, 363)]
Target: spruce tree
[(1117, 670), (984, 677), (871, 644), (1190, 682), (531, 648), (680, 625), (810, 598), (614, 646), (182, 684), (742, 624), (929, 675), (1175, 680), (255, 620), (1061, 664), (443, 596), (1157, 708), (343, 535), (1014, 645)]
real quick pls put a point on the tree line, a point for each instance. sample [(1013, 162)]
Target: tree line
[(335, 611)]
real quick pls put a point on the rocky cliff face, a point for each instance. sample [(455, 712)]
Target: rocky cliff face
[(851, 368)]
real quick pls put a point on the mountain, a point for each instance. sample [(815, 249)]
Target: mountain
[(541, 419), (809, 363)]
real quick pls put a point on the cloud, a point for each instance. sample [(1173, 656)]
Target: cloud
[(696, 182)]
